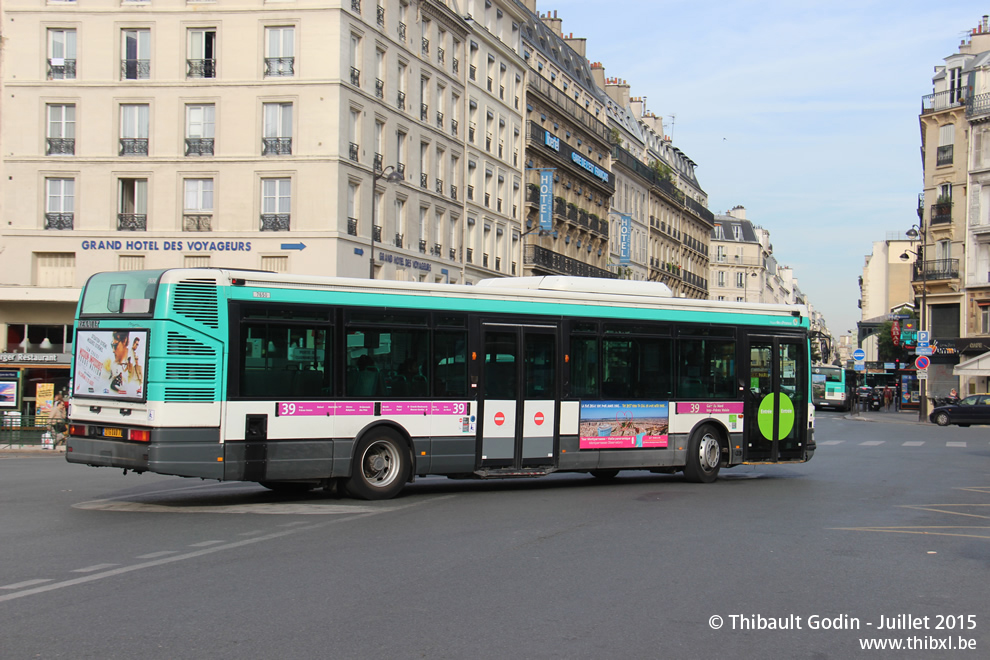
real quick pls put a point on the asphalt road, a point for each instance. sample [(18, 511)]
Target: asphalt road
[(889, 519)]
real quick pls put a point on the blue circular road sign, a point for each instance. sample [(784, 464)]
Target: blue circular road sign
[(859, 354)]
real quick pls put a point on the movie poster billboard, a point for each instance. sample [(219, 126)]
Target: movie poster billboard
[(8, 394), (624, 424), (110, 364)]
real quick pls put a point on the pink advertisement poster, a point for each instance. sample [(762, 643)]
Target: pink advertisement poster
[(624, 424), (388, 408)]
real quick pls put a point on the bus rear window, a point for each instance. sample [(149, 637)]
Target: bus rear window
[(126, 293)]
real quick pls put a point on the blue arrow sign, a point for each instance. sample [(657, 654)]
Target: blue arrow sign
[(293, 246)]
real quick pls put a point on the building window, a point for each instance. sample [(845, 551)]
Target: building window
[(276, 200), (61, 54), (946, 142), (134, 119), (196, 261), (55, 269), (200, 129), (60, 203), (197, 206), (275, 264), (721, 278), (132, 207), (740, 280), (277, 138), (985, 320), (279, 51), (61, 130), (201, 60), (136, 61), (130, 262)]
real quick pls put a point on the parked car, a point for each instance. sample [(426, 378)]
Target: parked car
[(974, 409)]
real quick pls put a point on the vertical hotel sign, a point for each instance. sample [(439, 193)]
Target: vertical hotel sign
[(624, 237), (546, 200)]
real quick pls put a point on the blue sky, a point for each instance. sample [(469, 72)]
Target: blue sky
[(806, 113)]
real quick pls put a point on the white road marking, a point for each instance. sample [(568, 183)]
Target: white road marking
[(871, 443), (832, 442), (156, 555), (26, 583), (94, 568), (955, 444), (204, 544)]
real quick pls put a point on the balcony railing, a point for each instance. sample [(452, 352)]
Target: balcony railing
[(470, 255), (453, 191), (977, 106), (422, 246), (352, 225), (381, 16), (473, 72), (470, 193), (453, 127), (355, 76), (132, 222), (943, 156), (377, 162), (426, 46), (439, 119), (952, 98), (439, 187), (424, 180), (379, 88), (58, 220), (936, 269), (352, 151), (402, 32), (424, 111), (276, 146), (398, 240), (400, 101), (133, 146), (197, 222), (377, 231), (941, 213), (356, 5), (199, 146), (276, 67), (64, 71), (275, 221), (201, 68), (61, 147), (558, 264), (135, 69)]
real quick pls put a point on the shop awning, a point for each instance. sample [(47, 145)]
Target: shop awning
[(978, 366)]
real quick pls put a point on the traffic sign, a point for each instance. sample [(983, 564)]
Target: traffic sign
[(923, 350), (921, 362), (923, 374), (923, 336), (859, 354)]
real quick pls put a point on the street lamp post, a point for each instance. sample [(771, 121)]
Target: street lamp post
[(918, 231), (391, 175)]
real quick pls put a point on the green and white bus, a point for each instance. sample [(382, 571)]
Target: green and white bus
[(832, 387), (296, 382)]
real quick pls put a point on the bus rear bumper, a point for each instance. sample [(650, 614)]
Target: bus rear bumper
[(195, 453)]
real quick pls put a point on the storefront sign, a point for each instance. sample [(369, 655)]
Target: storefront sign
[(57, 358), (168, 246), (404, 262)]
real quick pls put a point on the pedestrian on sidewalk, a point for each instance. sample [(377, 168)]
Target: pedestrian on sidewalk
[(888, 397), (56, 421)]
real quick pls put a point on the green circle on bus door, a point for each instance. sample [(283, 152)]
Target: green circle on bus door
[(764, 416)]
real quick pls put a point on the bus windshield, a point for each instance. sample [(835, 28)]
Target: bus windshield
[(127, 292), (831, 375)]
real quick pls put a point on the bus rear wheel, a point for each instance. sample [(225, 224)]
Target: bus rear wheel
[(704, 455), (381, 467)]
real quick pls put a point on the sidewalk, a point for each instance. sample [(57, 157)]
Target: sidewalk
[(901, 417)]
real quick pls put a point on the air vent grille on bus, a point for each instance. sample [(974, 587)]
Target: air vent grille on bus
[(197, 300), (189, 394), (179, 344), (190, 372)]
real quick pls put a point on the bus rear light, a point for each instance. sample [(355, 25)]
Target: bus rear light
[(139, 435), (77, 429)]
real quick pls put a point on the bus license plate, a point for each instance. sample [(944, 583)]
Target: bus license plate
[(110, 433)]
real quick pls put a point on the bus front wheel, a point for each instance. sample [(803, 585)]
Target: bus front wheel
[(381, 467), (704, 455)]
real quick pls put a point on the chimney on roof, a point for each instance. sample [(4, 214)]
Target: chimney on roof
[(579, 44), (598, 74), (618, 91), (553, 23)]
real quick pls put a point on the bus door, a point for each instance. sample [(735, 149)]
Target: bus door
[(518, 396), (776, 400)]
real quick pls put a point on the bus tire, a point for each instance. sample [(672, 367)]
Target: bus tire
[(381, 466), (704, 455), (605, 474)]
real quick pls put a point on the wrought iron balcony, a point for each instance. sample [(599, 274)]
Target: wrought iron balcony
[(356, 5), (470, 193), (400, 168), (558, 264), (379, 88), (470, 255), (440, 55), (456, 65), (381, 16), (352, 151), (377, 231), (197, 222), (473, 72), (488, 142), (491, 83), (453, 127), (426, 46), (439, 119), (378, 162), (58, 221), (402, 32), (453, 254), (398, 240), (471, 132), (352, 225), (977, 106), (400, 101), (201, 68), (424, 180), (355, 76), (133, 146), (941, 213), (132, 222), (488, 200), (498, 263), (61, 147), (199, 146), (64, 71), (276, 146), (275, 221), (422, 246), (484, 260), (439, 186), (936, 269), (276, 67), (437, 250), (424, 111), (943, 156), (453, 191), (953, 98), (135, 69)]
